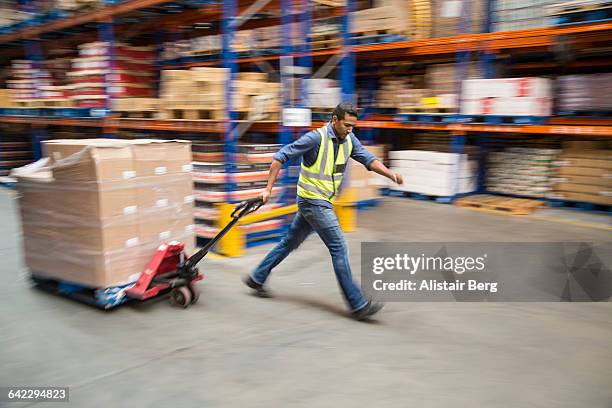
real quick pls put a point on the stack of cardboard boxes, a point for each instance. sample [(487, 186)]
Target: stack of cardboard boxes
[(449, 16), (105, 70), (434, 173), (95, 210), (584, 173), (524, 171), (507, 97), (199, 93), (509, 15), (579, 93)]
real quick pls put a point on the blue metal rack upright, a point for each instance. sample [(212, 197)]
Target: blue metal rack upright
[(347, 65), (229, 62)]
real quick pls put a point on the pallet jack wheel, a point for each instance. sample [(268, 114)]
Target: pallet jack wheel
[(195, 293), (181, 297)]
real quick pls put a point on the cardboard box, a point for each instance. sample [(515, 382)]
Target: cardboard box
[(564, 171), (102, 233), (586, 180), (87, 160), (581, 188), (582, 197)]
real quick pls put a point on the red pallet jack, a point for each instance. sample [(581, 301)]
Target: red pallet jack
[(171, 270)]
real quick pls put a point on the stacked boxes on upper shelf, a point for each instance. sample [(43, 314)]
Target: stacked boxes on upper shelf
[(105, 70), (585, 93), (507, 97), (448, 15), (199, 93), (512, 15)]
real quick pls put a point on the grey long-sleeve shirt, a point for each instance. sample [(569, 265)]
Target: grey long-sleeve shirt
[(307, 147)]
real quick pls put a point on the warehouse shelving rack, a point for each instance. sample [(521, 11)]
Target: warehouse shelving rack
[(486, 46)]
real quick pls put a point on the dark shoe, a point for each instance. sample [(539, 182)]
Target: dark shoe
[(259, 289), (368, 310)]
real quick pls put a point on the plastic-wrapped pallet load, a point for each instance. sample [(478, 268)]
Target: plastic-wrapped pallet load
[(584, 174), (117, 70), (434, 173), (521, 171), (448, 15), (507, 97), (585, 93), (94, 211), (512, 15)]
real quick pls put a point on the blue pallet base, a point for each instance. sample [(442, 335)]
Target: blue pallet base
[(57, 112), (502, 120), (583, 16), (578, 205), (586, 114), (75, 112), (418, 196), (20, 112), (377, 39), (427, 117), (367, 204), (103, 298), (9, 185)]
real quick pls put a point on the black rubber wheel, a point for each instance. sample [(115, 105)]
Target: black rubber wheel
[(181, 297), (195, 293)]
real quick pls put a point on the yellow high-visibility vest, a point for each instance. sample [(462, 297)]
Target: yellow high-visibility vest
[(321, 180)]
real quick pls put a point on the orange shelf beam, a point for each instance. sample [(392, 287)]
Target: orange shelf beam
[(557, 127)]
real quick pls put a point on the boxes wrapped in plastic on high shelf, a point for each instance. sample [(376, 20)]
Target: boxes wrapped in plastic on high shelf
[(93, 211), (507, 97)]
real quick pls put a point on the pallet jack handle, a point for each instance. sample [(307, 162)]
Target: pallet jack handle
[(243, 208)]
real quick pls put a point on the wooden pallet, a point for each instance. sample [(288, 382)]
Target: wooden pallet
[(325, 44), (137, 114), (499, 205), (191, 113), (373, 33)]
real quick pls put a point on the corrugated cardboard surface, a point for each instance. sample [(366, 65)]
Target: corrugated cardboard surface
[(84, 222)]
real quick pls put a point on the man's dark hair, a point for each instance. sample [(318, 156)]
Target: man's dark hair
[(344, 108)]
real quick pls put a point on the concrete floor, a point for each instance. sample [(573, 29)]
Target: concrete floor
[(300, 349)]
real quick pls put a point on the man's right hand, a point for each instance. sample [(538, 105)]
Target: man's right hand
[(265, 196)]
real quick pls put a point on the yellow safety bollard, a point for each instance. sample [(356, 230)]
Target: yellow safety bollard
[(346, 210), (234, 242)]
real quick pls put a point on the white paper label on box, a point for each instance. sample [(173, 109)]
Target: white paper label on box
[(161, 170), (606, 193), (132, 242), (189, 199), (187, 168), (451, 8), (190, 228), (132, 209), (300, 117), (128, 175), (163, 202), (164, 235)]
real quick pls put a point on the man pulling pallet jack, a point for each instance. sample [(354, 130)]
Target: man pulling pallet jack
[(325, 153)]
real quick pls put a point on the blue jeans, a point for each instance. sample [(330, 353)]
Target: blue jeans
[(324, 221)]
